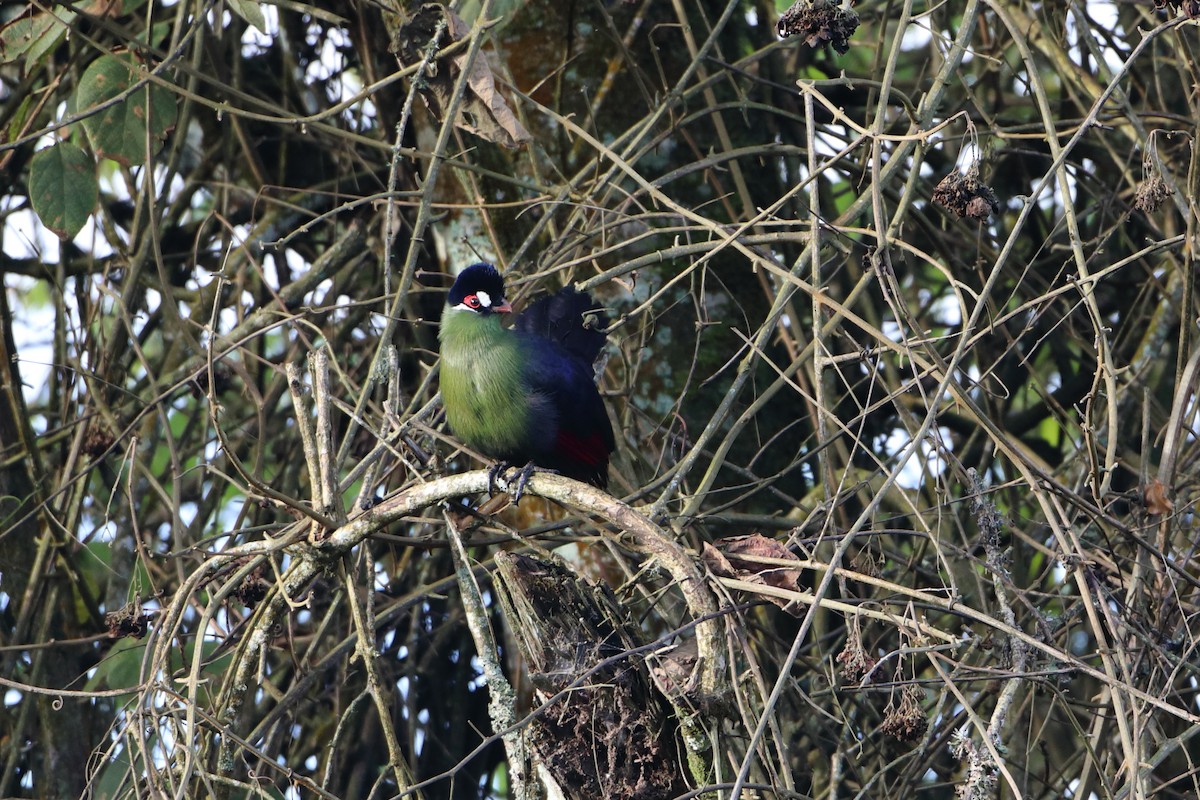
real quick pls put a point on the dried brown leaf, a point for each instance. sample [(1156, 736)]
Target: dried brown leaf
[(1154, 497), (717, 562), (483, 110), (740, 557)]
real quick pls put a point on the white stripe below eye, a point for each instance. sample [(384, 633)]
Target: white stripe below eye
[(485, 301)]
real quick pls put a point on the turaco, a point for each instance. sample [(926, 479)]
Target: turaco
[(525, 396)]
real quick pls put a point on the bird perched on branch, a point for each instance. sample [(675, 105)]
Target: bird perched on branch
[(527, 395)]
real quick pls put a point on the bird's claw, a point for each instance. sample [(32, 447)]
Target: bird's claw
[(522, 479), (497, 469), (517, 488)]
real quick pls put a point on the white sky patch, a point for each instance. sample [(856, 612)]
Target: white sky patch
[(364, 113), (91, 240), (892, 330), (968, 156), (1099, 16), (106, 532), (23, 236), (112, 180), (33, 335), (256, 41), (826, 146), (26, 237), (295, 262), (946, 310), (382, 577), (925, 460), (917, 36)]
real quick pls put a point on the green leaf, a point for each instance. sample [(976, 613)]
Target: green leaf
[(155, 34), (32, 36), (119, 131), (1051, 431), (115, 774), (250, 11), (121, 668), (17, 126), (62, 186)]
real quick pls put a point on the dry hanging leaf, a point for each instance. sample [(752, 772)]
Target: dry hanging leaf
[(737, 556), (674, 668), (717, 562), (129, 620), (1154, 497), (483, 110)]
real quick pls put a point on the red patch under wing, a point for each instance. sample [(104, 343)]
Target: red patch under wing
[(589, 450)]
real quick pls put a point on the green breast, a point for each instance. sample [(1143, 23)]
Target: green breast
[(486, 402)]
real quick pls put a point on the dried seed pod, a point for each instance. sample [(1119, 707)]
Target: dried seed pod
[(966, 196), (819, 21), (1151, 193)]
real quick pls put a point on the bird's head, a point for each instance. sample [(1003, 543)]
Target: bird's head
[(478, 289)]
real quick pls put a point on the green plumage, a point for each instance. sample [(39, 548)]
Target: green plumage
[(481, 382)]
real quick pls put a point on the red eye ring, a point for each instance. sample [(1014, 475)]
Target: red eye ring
[(471, 301)]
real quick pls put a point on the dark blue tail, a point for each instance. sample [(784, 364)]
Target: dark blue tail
[(570, 318)]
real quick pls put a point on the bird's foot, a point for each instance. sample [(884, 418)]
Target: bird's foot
[(516, 487), (522, 479), (497, 470)]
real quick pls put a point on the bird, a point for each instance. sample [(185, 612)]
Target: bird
[(525, 395)]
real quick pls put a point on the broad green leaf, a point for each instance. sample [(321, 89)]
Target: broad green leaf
[(812, 72), (114, 776), (37, 295), (1051, 431), (17, 125), (32, 36), (250, 11), (119, 131), (93, 566), (121, 668), (155, 34), (62, 186)]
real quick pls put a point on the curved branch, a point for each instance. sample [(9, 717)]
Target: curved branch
[(325, 547), (581, 497)]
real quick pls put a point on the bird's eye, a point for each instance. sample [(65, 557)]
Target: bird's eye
[(472, 301)]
